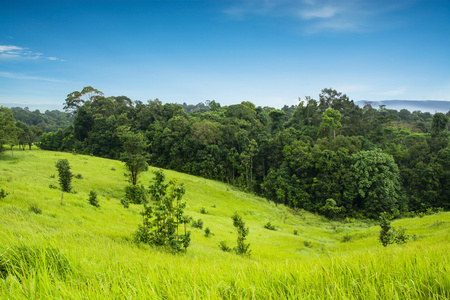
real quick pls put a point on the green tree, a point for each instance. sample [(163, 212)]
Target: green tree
[(375, 186), (385, 237), (164, 215), (76, 99), (330, 122), (7, 127), (439, 123), (134, 146), (242, 248), (93, 199), (35, 132), (23, 134), (65, 175)]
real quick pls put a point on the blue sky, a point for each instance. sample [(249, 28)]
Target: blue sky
[(264, 51)]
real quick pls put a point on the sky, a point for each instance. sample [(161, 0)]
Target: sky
[(269, 52)]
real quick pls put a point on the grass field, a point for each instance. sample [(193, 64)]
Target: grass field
[(72, 250)]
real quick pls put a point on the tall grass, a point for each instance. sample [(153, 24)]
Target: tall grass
[(75, 251)]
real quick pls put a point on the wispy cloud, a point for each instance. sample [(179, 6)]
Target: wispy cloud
[(11, 52), (314, 16), (320, 12), (27, 77)]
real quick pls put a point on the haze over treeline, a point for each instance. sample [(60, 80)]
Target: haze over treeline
[(327, 155)]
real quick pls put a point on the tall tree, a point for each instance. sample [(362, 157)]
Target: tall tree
[(7, 127), (134, 146), (376, 183)]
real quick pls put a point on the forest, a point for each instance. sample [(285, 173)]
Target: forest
[(328, 156)]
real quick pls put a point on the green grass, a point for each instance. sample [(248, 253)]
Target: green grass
[(73, 250)]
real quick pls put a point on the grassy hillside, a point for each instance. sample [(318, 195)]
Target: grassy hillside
[(73, 250)]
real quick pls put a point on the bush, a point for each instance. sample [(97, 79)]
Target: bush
[(270, 226), (295, 232), (3, 193), (224, 247), (204, 211), (135, 194), (198, 224), (34, 208), (93, 199), (390, 235), (242, 248), (307, 244), (208, 232), (346, 238), (78, 176)]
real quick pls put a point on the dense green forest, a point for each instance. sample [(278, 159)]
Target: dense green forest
[(328, 156), (47, 121)]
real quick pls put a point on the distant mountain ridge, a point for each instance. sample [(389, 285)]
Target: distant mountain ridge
[(431, 106)]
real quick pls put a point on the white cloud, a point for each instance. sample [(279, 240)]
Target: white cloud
[(314, 16), (27, 77), (11, 52), (321, 13)]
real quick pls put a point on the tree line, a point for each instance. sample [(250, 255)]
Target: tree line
[(328, 155)]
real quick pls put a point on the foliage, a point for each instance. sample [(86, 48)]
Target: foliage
[(386, 236), (270, 226), (65, 175), (300, 155), (242, 248), (224, 247), (3, 194), (96, 247), (197, 224), (390, 235), (204, 211), (133, 155), (7, 127), (163, 216), (330, 209), (93, 199), (376, 183), (307, 244), (208, 232), (34, 208), (135, 194)]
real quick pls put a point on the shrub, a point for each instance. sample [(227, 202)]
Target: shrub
[(385, 233), (346, 238), (135, 194), (242, 248), (224, 247), (295, 232), (3, 193), (93, 199), (78, 176), (204, 211), (207, 232), (125, 203), (270, 226), (307, 244), (34, 208), (198, 224), (390, 235)]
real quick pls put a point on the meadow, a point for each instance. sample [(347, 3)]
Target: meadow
[(65, 248)]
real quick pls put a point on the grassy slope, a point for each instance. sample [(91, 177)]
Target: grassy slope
[(104, 263)]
